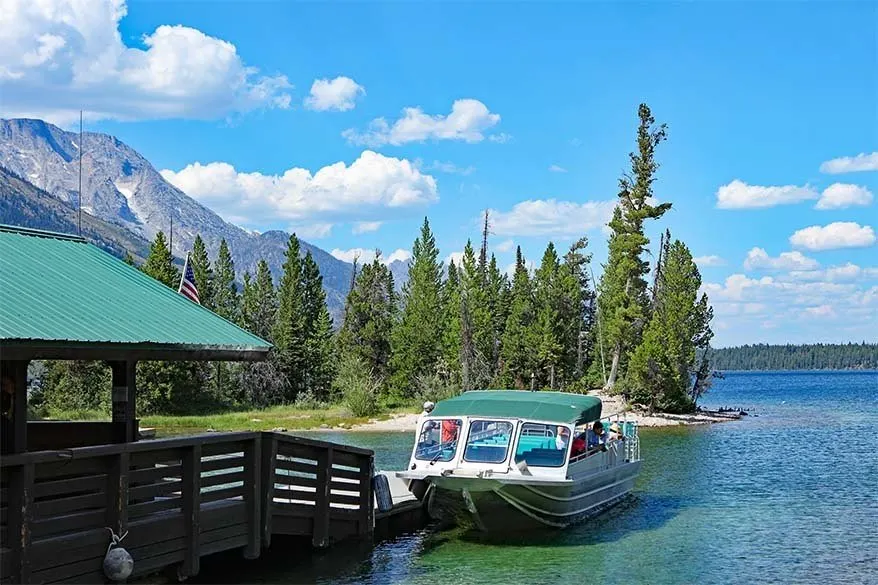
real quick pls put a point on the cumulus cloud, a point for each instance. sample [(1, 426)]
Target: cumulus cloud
[(468, 121), (851, 164), (706, 261), (445, 167), (57, 56), (311, 231), (548, 217), (840, 234), (821, 311), (456, 257), (740, 195), (842, 195), (504, 246), (759, 258), (372, 185), (365, 227), (848, 271), (339, 94), (557, 169), (364, 256)]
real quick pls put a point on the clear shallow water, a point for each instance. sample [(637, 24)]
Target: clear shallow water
[(789, 495)]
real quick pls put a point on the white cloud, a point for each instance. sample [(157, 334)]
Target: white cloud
[(468, 121), (557, 169), (311, 231), (456, 257), (740, 195), (706, 261), (840, 234), (373, 184), (365, 227), (847, 271), (500, 138), (57, 56), (339, 94), (548, 217), (821, 311), (842, 195), (364, 256), (504, 246), (759, 258), (445, 167), (851, 164)]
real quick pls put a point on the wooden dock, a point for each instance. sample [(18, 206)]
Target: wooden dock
[(179, 500)]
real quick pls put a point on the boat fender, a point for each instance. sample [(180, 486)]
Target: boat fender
[(118, 563), (381, 487)]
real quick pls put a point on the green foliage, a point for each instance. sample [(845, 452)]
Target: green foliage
[(76, 385), (203, 272), (517, 342), (357, 387), (224, 291), (160, 263), (816, 356), (289, 333), (259, 303), (478, 343), (417, 336), (435, 386), (451, 334), (319, 348), (368, 320)]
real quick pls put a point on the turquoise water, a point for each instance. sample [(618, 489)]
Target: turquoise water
[(786, 495)]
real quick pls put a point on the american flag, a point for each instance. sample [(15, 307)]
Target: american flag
[(187, 283)]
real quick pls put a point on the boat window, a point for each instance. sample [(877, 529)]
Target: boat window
[(438, 440), (488, 441), (541, 445)]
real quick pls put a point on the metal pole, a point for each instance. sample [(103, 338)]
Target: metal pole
[(79, 221)]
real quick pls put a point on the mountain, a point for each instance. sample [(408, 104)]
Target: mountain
[(123, 190)]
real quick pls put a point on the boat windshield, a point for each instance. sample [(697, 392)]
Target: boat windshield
[(541, 445), (488, 441), (438, 440)]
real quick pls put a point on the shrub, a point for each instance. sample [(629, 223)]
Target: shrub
[(435, 387), (358, 389)]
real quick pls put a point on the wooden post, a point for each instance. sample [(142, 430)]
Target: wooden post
[(124, 384), (367, 500), (253, 496), (21, 484), (269, 467), (117, 493), (320, 536), (13, 374), (191, 492)]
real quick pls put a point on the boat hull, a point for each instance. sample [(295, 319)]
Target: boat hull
[(495, 505)]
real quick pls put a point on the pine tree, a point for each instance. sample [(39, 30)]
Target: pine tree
[(129, 259), (417, 336), (224, 290), (517, 344), (319, 359), (451, 334), (76, 386), (546, 324), (498, 306), (203, 272), (289, 327), (368, 321), (160, 263), (476, 330), (261, 383), (623, 301), (576, 310)]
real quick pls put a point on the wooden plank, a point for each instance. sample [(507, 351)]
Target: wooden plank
[(295, 480), (344, 457), (62, 506), (225, 448), (146, 508), (320, 538), (293, 525), (306, 452), (89, 483), (222, 533), (156, 563), (156, 528), (64, 572), (174, 545), (150, 458), (145, 492), (253, 497), (64, 466), (367, 500), (222, 494), (227, 544), (343, 499), (51, 552), (346, 473), (218, 514), (220, 464), (192, 481), (222, 478), (289, 441), (297, 466), (269, 462), (117, 494), (20, 524), (151, 474), (79, 521)]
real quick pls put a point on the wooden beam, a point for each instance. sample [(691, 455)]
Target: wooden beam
[(253, 496), (13, 384), (12, 349), (320, 536), (191, 492), (124, 395)]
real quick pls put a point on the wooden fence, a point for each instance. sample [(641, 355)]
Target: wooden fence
[(178, 500)]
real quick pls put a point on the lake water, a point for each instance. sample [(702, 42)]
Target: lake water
[(787, 495)]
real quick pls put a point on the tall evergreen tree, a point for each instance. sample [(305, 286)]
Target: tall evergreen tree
[(517, 344), (662, 365), (289, 333), (623, 302), (203, 272), (129, 259), (476, 325), (576, 310), (368, 321), (451, 333), (546, 324), (497, 286), (225, 290), (318, 331), (160, 263), (417, 336)]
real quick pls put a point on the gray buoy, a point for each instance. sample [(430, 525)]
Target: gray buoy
[(118, 563)]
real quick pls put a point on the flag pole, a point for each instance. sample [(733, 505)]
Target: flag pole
[(80, 174), (183, 274)]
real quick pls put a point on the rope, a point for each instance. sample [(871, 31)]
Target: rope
[(114, 539)]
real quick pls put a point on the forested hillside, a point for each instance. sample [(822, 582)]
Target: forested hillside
[(818, 356)]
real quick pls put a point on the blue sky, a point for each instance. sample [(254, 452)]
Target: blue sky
[(527, 109)]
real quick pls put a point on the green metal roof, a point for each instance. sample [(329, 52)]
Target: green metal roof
[(59, 294), (558, 407)]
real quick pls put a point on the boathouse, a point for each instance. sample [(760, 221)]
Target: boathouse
[(67, 485)]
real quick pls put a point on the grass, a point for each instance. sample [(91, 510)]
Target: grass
[(287, 417)]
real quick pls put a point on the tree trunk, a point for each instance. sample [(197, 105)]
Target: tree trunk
[(614, 368)]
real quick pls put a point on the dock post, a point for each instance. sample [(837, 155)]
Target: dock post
[(253, 495), (367, 500), (117, 493), (21, 497), (192, 510), (269, 467), (320, 535)]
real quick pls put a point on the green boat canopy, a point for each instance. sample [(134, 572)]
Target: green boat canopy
[(557, 407)]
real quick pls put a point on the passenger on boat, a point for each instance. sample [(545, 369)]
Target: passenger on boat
[(597, 439), (616, 433), (562, 436), (450, 429), (578, 447)]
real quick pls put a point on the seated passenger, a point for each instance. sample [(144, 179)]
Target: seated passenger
[(596, 437), (449, 431), (616, 432), (562, 436), (578, 447)]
